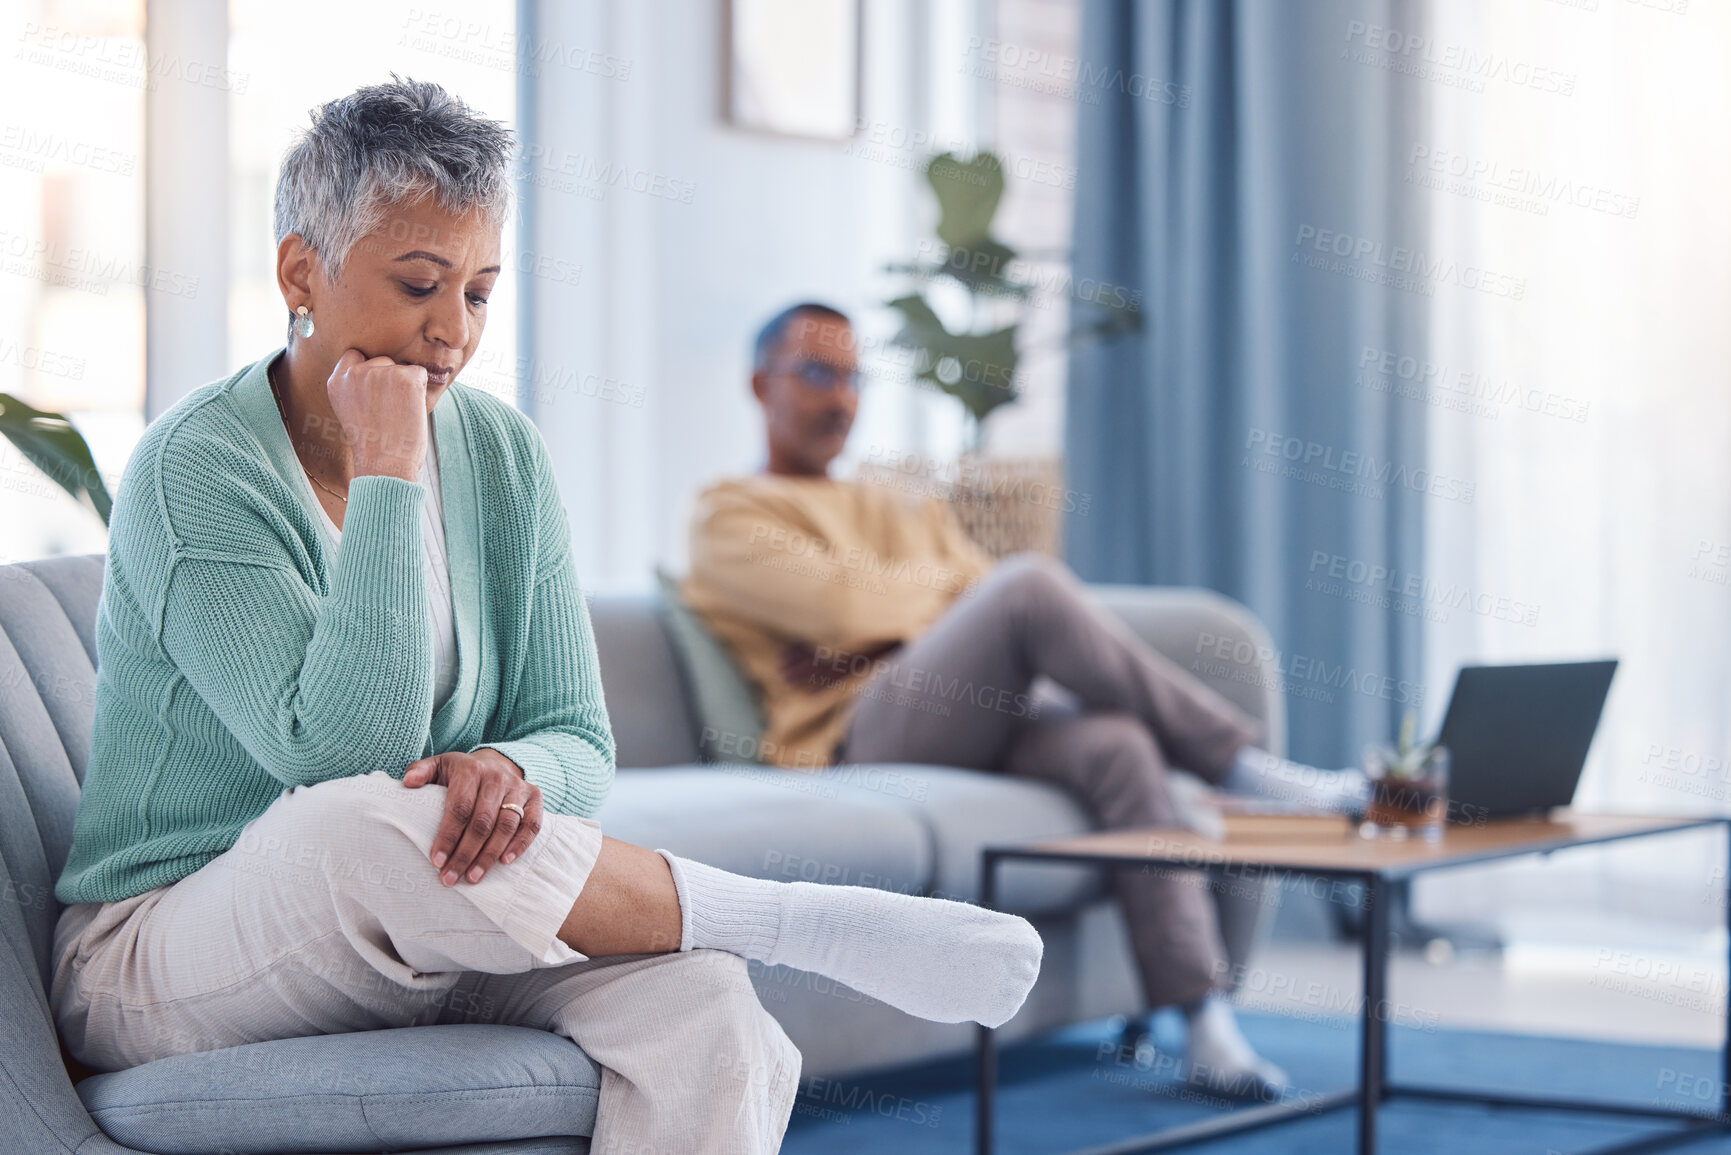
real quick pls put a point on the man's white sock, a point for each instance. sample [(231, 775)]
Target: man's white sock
[(1220, 1055), (949, 962), (1256, 771)]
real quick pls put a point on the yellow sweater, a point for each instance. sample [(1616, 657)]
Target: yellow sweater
[(809, 581)]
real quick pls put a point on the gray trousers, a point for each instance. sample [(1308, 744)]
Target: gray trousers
[(963, 696), (326, 916)]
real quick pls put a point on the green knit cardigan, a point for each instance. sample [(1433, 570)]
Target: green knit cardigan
[(240, 653)]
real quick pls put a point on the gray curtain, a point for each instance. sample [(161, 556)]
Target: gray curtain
[(1240, 165)]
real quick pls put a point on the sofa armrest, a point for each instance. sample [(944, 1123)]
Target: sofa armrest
[(1215, 638)]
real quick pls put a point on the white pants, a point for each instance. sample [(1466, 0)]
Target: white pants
[(327, 916)]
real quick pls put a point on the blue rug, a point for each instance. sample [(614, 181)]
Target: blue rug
[(1076, 1089)]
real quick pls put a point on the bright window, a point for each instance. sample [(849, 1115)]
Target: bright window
[(72, 262)]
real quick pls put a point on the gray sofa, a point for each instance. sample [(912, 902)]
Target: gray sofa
[(912, 828)]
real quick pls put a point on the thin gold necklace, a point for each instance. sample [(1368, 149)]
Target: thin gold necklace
[(270, 376)]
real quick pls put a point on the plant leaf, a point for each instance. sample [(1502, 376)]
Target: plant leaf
[(978, 369), (968, 195), (50, 443), (984, 268)]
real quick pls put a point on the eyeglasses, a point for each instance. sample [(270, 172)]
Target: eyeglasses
[(823, 375)]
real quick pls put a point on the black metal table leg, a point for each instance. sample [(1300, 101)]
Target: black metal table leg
[(985, 1043), (1373, 1043)]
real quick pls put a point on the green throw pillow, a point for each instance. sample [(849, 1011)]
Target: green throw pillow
[(730, 723)]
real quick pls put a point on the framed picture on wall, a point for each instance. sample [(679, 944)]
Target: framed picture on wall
[(792, 67)]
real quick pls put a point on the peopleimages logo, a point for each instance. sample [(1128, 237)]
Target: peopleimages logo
[(87, 270), (1296, 675), (42, 148), (1464, 62), (792, 543), (1067, 76), (1520, 180), (575, 172), (1328, 572), (1468, 385), (1414, 265), (35, 359), (119, 60), (1352, 470)]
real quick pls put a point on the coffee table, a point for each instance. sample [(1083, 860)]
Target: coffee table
[(1269, 849)]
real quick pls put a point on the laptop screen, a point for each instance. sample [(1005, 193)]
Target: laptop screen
[(1518, 735)]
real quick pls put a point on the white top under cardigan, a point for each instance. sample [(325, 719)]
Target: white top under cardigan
[(438, 572)]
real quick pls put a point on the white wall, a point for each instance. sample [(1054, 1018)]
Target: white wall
[(670, 292)]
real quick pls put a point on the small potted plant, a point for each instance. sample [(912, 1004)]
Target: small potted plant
[(1409, 786)]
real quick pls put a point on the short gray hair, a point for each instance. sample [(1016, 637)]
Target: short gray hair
[(383, 145)]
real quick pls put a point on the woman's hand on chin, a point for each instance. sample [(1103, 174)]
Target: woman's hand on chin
[(476, 831), (382, 408)]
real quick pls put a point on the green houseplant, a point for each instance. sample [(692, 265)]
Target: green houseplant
[(1006, 504), (977, 365), (50, 443)]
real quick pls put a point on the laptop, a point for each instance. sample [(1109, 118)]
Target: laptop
[(1517, 736)]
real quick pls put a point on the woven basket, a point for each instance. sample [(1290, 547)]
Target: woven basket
[(1006, 504)]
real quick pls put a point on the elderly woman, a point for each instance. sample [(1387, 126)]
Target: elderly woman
[(350, 737)]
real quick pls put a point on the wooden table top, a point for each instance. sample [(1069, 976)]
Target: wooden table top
[(1324, 848)]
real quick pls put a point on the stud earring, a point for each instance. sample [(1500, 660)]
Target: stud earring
[(303, 322)]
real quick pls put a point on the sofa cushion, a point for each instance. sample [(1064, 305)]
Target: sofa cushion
[(769, 823), (412, 1087), (647, 705), (728, 717), (967, 810)]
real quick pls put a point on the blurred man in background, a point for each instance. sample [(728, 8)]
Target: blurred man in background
[(877, 631)]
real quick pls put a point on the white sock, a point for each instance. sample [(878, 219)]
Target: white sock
[(944, 961), (1219, 1054), (1256, 771)]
